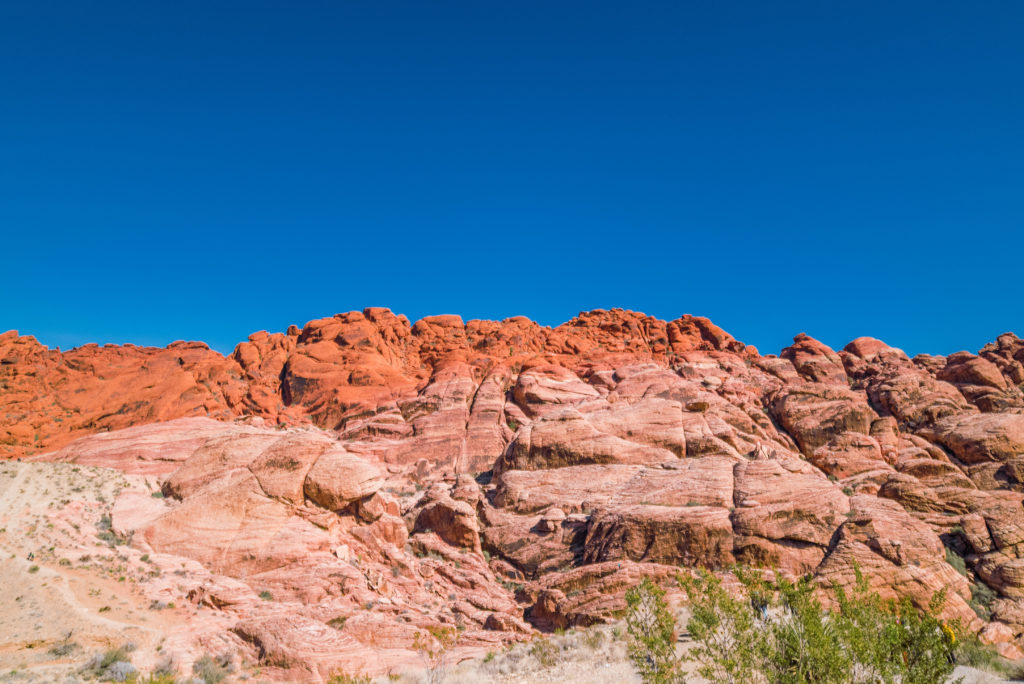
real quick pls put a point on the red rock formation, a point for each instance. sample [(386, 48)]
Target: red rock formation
[(498, 475), (331, 373)]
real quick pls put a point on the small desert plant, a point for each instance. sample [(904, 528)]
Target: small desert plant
[(343, 678), (957, 561), (266, 595), (970, 651), (164, 673), (212, 670), (981, 600), (157, 678), (593, 638), (544, 652), (121, 671), (433, 646), (64, 647), (113, 664), (652, 634)]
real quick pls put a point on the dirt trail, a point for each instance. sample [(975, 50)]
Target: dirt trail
[(70, 588)]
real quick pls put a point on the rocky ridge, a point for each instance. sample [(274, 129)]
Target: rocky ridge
[(503, 477)]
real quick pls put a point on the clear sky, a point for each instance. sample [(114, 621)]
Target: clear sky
[(202, 170)]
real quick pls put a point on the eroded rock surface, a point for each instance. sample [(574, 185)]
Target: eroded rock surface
[(378, 478)]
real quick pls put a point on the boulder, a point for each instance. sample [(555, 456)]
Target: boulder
[(339, 478)]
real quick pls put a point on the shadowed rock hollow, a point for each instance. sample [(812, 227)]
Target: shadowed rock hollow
[(503, 477)]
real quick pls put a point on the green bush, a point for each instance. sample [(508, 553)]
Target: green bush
[(776, 631), (893, 641), (981, 600), (957, 561), (652, 634)]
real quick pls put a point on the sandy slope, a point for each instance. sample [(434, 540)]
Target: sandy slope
[(63, 585)]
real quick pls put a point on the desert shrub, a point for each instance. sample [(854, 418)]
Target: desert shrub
[(724, 629), (776, 631), (212, 670), (593, 638), (64, 647), (343, 678), (544, 652), (111, 664), (970, 651), (652, 634), (894, 641), (121, 671), (157, 678), (164, 673), (433, 646), (957, 561), (981, 600)]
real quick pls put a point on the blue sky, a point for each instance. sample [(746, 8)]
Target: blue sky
[(202, 170)]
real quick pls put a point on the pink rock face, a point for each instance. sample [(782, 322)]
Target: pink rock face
[(692, 536), (567, 438), (157, 449), (787, 500), (134, 511), (504, 476), (303, 645), (339, 478), (848, 454), (974, 438), (815, 361), (814, 413), (454, 521), (900, 555)]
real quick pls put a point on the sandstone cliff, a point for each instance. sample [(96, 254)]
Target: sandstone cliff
[(505, 477)]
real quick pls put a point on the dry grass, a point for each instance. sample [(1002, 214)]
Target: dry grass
[(593, 655)]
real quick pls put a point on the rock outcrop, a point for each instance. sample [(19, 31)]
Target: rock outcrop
[(503, 477)]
